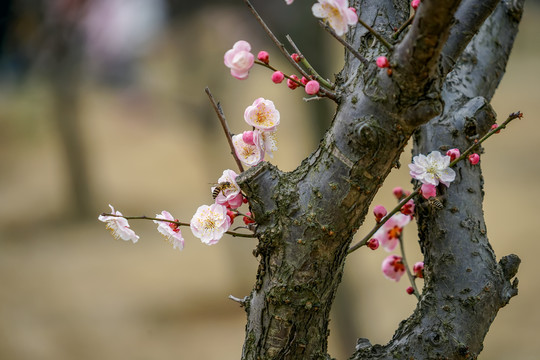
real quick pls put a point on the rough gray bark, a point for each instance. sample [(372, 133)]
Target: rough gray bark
[(306, 218)]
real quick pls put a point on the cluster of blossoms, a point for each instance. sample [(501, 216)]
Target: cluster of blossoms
[(240, 60), (251, 146), (209, 222)]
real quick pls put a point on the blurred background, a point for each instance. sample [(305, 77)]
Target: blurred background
[(102, 102)]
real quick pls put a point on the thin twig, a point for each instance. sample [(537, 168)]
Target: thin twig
[(403, 26), (275, 39), (179, 223), (310, 68), (512, 116), (349, 47), (324, 92), (404, 261), (376, 34), (225, 127)]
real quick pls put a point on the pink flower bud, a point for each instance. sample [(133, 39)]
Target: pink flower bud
[(382, 62), (453, 153), (415, 3), (379, 211), (408, 208), (312, 87), (428, 190), (292, 84), (277, 77), (296, 57), (247, 136), (247, 220), (304, 80), (494, 126), (410, 290), (418, 270), (398, 192), (231, 214), (373, 244), (352, 9), (474, 159), (263, 56)]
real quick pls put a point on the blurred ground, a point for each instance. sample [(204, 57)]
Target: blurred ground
[(69, 291)]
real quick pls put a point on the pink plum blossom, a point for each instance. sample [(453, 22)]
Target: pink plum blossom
[(291, 83), (382, 62), (312, 87), (432, 169), (389, 234), (263, 56), (408, 208), (418, 269), (262, 114), (277, 77), (118, 226), (428, 190), (239, 59), (289, 2), (474, 159), (169, 230), (453, 153), (379, 211), (393, 268), (210, 223), (337, 13), (249, 154), (229, 195), (373, 244)]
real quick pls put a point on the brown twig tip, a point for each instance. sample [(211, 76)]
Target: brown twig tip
[(225, 126)]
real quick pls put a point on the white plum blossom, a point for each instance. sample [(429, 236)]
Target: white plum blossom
[(432, 169), (249, 154), (262, 115), (289, 2), (337, 13), (210, 223), (230, 194), (239, 59), (169, 230), (118, 226), (269, 141)]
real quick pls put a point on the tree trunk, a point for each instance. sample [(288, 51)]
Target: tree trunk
[(306, 218)]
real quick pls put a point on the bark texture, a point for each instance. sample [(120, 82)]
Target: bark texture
[(306, 218)]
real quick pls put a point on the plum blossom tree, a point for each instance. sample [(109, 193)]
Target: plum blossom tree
[(426, 71)]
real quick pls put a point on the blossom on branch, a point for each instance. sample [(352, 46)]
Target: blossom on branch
[(170, 230), (249, 154), (389, 234), (262, 115), (210, 223), (432, 169), (118, 226), (229, 192), (239, 59), (337, 13), (393, 267)]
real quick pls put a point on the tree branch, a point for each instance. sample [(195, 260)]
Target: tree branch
[(464, 286), (417, 56)]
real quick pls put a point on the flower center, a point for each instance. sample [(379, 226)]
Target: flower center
[(330, 10), (395, 232), (263, 116), (174, 226)]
